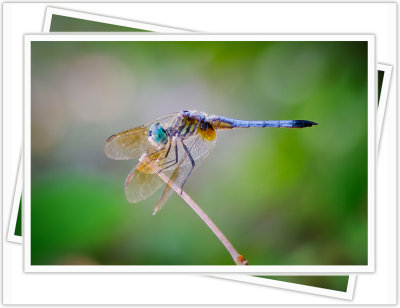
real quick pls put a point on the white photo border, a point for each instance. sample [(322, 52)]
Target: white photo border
[(253, 269), (377, 289), (380, 116), (11, 237)]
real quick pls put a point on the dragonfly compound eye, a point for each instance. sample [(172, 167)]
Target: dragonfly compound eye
[(157, 135)]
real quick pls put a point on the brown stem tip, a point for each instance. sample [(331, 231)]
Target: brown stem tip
[(242, 260)]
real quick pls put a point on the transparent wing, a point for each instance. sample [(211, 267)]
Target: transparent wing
[(133, 142), (128, 144), (199, 148), (141, 183)]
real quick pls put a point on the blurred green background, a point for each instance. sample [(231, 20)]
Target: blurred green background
[(18, 223), (337, 283), (381, 74), (61, 23), (290, 197)]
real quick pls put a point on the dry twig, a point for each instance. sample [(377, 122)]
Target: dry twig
[(237, 258)]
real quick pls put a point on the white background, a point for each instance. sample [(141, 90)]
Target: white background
[(110, 288)]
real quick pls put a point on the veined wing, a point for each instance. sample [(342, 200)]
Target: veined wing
[(128, 144), (142, 182), (133, 142), (141, 185)]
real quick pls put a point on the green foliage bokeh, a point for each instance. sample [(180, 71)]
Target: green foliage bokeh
[(381, 74), (337, 283), (61, 23)]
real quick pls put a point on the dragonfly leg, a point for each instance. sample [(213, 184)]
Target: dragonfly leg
[(191, 161), (169, 148), (166, 154), (174, 161)]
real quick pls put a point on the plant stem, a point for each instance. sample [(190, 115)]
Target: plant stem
[(237, 257)]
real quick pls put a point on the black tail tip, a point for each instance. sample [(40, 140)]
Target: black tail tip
[(304, 123)]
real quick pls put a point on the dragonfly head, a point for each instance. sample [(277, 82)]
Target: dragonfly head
[(157, 135)]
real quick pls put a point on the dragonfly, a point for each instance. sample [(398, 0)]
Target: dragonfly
[(177, 144)]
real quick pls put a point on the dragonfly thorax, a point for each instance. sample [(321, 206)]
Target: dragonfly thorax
[(157, 135), (187, 124)]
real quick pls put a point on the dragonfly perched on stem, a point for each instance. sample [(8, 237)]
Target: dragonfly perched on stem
[(177, 144)]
